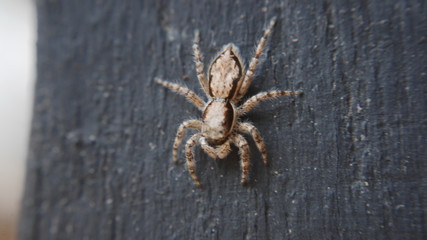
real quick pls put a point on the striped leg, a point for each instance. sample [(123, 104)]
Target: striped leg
[(190, 95), (253, 131), (220, 151), (254, 61), (198, 60), (254, 100), (190, 158), (196, 124), (243, 146)]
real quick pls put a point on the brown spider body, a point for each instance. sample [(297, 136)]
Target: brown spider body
[(219, 119), (220, 126), (226, 73)]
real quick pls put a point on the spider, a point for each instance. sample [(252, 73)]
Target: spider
[(226, 84)]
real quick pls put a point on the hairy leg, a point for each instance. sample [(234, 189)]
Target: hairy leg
[(253, 131), (198, 60), (190, 158), (254, 100), (254, 61), (243, 146), (220, 151), (190, 95), (195, 124)]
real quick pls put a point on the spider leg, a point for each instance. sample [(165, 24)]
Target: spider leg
[(243, 146), (254, 100), (254, 61), (220, 151), (198, 60), (190, 95), (196, 124), (256, 135), (190, 158)]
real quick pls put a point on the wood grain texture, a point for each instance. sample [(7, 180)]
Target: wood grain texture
[(347, 158)]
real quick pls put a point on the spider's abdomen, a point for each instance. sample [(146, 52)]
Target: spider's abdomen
[(225, 73), (218, 121)]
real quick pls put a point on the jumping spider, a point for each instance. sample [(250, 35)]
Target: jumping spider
[(227, 83)]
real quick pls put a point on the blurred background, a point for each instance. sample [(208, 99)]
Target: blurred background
[(17, 74)]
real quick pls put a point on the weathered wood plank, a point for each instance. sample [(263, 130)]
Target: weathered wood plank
[(347, 158)]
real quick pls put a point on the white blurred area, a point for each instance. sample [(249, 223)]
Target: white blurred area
[(17, 73)]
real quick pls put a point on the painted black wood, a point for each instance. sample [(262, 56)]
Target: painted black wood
[(347, 159)]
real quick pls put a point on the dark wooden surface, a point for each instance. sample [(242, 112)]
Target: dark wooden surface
[(347, 159)]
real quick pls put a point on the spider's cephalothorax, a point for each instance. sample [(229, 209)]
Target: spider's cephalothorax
[(227, 83)]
